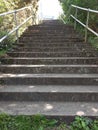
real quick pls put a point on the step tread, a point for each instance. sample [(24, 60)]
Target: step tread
[(49, 88), (74, 51), (10, 75), (48, 66), (50, 58), (50, 108)]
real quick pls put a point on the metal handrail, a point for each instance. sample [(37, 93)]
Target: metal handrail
[(85, 9), (17, 26), (68, 19), (86, 26)]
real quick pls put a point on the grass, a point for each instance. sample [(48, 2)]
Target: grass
[(40, 122), (2, 52), (36, 122)]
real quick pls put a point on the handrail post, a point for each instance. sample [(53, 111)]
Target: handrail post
[(69, 13), (87, 22), (25, 17), (75, 22), (32, 15), (16, 23)]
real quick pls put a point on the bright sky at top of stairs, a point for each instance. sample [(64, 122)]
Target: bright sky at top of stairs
[(49, 9)]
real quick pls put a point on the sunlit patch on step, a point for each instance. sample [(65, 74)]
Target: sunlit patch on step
[(80, 113), (95, 110), (12, 105), (48, 107), (30, 87)]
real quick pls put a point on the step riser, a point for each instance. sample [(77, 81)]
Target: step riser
[(50, 26), (54, 96), (51, 49), (50, 29), (75, 54), (71, 35), (49, 81), (48, 35), (53, 28), (38, 70), (51, 33), (47, 38), (71, 43), (59, 45), (50, 61), (51, 40)]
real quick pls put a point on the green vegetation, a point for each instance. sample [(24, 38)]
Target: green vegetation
[(7, 43), (39, 122), (82, 16), (82, 123), (7, 23)]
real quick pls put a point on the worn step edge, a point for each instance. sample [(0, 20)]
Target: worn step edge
[(77, 76), (46, 66), (49, 88), (53, 48), (56, 52), (49, 58)]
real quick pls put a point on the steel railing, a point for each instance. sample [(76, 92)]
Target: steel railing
[(86, 26), (17, 27)]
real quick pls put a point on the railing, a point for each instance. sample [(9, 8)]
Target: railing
[(86, 26), (17, 27), (76, 20)]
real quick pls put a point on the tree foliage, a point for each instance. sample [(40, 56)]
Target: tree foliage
[(82, 15), (7, 23), (6, 5)]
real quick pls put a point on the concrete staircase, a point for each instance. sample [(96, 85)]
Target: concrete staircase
[(52, 72)]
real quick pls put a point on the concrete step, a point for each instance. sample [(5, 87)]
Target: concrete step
[(24, 37), (54, 44), (38, 69), (49, 32), (48, 35), (50, 60), (52, 32), (51, 26), (51, 109), (45, 25), (54, 72), (52, 49), (26, 40), (49, 93), (49, 79), (52, 54), (54, 29)]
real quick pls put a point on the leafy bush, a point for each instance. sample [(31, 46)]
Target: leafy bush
[(36, 122), (82, 16), (8, 22), (8, 42), (40, 122), (81, 123)]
